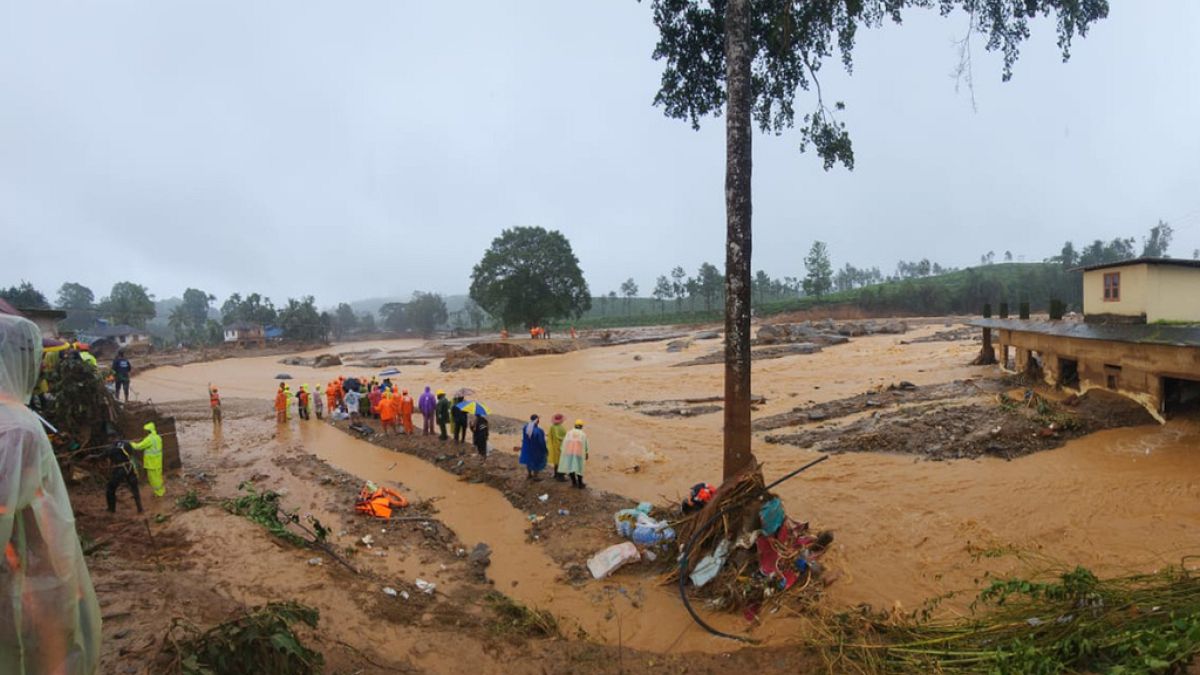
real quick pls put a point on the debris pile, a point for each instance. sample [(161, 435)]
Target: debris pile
[(741, 551), (734, 546), (825, 332)]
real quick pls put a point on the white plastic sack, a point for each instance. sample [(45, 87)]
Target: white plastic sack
[(612, 558), (710, 565)]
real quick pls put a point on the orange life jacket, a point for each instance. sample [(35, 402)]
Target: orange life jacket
[(380, 503)]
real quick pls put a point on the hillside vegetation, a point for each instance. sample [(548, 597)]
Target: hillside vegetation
[(957, 292)]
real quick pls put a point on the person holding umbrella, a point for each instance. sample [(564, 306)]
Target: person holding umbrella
[(479, 432), (458, 420)]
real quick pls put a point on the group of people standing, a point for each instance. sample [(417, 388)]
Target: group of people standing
[(565, 451), (354, 399)]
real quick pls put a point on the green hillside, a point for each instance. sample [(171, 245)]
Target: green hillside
[(958, 292)]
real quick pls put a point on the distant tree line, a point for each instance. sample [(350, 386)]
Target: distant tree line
[(195, 320)]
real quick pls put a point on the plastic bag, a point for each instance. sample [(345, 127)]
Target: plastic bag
[(612, 558)]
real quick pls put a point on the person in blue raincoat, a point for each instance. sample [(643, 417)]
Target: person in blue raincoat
[(533, 448)]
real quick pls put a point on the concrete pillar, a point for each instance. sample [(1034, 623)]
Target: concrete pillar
[(1022, 359)]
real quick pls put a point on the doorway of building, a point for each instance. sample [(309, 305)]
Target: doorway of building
[(1181, 397), (1068, 373)]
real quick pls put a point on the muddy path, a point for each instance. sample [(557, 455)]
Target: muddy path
[(201, 566), (904, 527)]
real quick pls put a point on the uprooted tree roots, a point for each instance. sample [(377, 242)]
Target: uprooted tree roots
[(761, 569), (261, 640)]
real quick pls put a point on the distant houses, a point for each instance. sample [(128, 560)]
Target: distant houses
[(245, 334)]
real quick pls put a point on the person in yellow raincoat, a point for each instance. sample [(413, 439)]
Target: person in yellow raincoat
[(49, 617), (554, 439), (152, 459)]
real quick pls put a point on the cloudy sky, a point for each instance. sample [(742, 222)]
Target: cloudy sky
[(368, 148)]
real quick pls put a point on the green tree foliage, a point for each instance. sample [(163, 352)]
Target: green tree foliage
[(1098, 252), (393, 315), (1067, 257), (746, 59), (629, 289), (426, 312), (24, 296), (819, 279), (662, 291), (254, 308), (528, 276), (789, 40), (678, 287), (128, 303), (849, 277), (73, 296), (301, 321), (344, 320), (189, 319), (1156, 245), (710, 284), (79, 303), (366, 323)]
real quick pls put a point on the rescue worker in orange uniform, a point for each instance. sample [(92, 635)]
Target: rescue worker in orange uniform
[(406, 411), (281, 403), (387, 412)]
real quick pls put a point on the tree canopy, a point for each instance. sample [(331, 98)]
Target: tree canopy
[(819, 279), (300, 320), (24, 296), (189, 319), (530, 275), (254, 308), (789, 40), (129, 303), (426, 312), (747, 58), (75, 296)]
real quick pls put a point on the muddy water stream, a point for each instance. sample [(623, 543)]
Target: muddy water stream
[(1115, 501)]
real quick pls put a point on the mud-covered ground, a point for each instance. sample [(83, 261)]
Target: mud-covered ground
[(173, 569), (894, 548), (956, 420)]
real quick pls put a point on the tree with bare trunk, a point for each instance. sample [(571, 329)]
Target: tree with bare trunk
[(748, 58)]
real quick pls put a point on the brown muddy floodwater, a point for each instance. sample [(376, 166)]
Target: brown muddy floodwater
[(1115, 501)]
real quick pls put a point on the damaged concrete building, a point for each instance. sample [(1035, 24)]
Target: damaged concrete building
[(1139, 337)]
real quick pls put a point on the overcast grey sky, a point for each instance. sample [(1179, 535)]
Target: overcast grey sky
[(366, 148)]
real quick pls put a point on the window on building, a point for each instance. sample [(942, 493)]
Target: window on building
[(1112, 287)]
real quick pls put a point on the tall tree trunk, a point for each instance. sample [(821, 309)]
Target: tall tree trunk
[(737, 245)]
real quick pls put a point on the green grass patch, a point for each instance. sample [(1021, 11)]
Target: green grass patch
[(189, 501), (1060, 621), (259, 641), (513, 618)]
